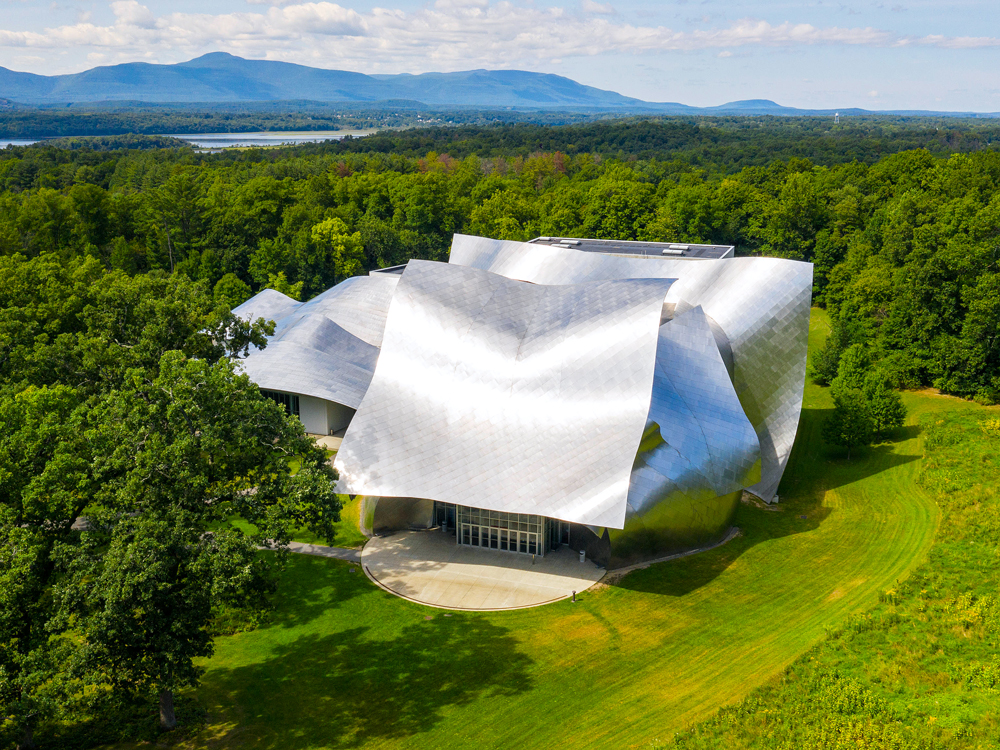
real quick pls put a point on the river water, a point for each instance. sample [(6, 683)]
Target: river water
[(229, 140)]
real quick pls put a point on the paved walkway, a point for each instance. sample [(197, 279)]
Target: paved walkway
[(338, 553), (330, 442), (429, 568)]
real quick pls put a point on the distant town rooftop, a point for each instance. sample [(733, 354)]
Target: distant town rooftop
[(640, 249)]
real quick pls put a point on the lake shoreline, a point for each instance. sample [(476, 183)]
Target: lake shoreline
[(257, 139)]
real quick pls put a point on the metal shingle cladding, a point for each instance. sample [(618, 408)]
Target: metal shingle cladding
[(762, 305), (509, 396)]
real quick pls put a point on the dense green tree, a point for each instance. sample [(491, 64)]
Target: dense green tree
[(850, 425), (279, 283), (340, 254), (175, 456), (74, 323), (884, 403), (506, 215), (824, 364), (231, 291), (853, 368), (44, 483)]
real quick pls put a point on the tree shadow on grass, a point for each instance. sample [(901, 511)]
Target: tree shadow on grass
[(813, 468), (346, 689), (814, 465), (311, 586)]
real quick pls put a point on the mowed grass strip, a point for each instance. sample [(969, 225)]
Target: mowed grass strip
[(344, 664)]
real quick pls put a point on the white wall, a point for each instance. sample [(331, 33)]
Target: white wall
[(338, 416), (312, 412), (321, 417)]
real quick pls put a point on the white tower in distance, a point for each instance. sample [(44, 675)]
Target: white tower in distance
[(836, 118)]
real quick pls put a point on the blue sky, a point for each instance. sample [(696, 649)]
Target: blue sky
[(894, 54)]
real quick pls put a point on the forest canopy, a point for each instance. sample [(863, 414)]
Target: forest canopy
[(904, 239)]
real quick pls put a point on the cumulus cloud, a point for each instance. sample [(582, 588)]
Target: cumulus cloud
[(448, 35)]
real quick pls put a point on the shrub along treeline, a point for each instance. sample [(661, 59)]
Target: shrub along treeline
[(114, 142), (905, 249)]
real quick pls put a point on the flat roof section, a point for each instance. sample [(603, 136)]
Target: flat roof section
[(428, 567), (640, 249), (398, 270)]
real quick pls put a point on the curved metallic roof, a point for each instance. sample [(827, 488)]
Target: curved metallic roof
[(326, 347), (761, 304), (315, 357), (506, 395), (268, 304), (358, 305)]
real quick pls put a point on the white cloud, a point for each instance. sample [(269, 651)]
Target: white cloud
[(448, 35), (589, 6), (131, 13)]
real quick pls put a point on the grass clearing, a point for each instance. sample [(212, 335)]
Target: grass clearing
[(344, 664), (921, 669)]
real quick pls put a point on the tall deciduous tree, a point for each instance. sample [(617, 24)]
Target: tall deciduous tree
[(850, 425), (339, 248), (175, 457), (884, 403), (43, 489)]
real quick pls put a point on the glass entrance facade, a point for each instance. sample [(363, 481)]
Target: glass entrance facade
[(523, 533), (505, 532)]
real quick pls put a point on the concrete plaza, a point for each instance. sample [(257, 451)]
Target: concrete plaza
[(430, 568)]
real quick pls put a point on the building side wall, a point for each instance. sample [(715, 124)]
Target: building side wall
[(338, 416), (598, 548), (394, 513), (313, 413)]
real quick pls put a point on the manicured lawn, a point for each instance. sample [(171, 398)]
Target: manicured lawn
[(348, 529), (343, 664)]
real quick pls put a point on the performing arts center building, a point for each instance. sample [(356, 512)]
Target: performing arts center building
[(615, 397)]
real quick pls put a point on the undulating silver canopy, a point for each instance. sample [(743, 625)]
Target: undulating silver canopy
[(508, 396), (326, 347), (761, 305), (698, 450), (635, 395)]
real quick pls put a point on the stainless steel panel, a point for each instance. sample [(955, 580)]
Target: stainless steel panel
[(326, 347), (268, 304), (358, 305), (760, 304), (314, 357), (697, 453), (516, 397)]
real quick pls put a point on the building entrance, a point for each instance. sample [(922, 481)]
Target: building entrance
[(505, 540), (504, 532), (444, 515)]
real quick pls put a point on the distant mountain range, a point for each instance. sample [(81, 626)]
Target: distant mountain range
[(220, 77)]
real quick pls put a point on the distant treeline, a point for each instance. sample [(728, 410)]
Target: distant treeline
[(79, 120), (905, 247), (729, 143), (113, 142)]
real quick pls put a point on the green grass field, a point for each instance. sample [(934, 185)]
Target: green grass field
[(344, 664)]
